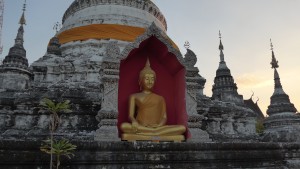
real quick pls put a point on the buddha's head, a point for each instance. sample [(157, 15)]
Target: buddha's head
[(147, 77)]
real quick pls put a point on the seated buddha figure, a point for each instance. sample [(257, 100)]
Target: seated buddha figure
[(147, 113)]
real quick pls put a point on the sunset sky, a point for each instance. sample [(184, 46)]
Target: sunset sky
[(246, 28)]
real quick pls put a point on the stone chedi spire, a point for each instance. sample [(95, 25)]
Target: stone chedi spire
[(194, 79), (280, 101), (15, 71), (282, 125), (54, 44), (44, 68), (224, 88), (195, 85), (17, 54)]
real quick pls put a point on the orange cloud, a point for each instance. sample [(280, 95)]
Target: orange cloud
[(253, 81)]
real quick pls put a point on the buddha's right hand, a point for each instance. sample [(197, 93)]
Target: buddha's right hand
[(135, 126)]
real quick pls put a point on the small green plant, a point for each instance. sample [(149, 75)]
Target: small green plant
[(59, 148), (54, 109), (259, 127)]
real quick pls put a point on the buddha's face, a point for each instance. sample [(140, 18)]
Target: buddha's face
[(147, 81)]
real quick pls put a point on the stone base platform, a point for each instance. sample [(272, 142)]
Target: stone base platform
[(135, 137), (149, 155)]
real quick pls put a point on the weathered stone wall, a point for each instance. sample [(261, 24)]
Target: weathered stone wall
[(139, 155), (227, 121), (22, 117), (14, 80)]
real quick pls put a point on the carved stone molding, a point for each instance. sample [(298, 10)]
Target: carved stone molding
[(108, 114), (110, 79), (110, 97), (191, 107), (113, 50), (190, 59), (153, 30)]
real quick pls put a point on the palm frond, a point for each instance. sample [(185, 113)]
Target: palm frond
[(59, 147), (55, 108)]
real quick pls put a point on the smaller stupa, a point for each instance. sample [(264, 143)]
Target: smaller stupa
[(283, 123), (224, 88), (14, 72)]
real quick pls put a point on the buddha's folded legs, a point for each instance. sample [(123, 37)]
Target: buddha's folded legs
[(157, 131)]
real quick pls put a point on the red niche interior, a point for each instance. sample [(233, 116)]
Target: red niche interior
[(170, 80)]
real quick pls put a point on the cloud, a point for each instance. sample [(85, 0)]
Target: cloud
[(253, 81)]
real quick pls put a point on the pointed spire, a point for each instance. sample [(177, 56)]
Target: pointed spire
[(277, 80), (19, 39), (22, 19), (221, 45), (221, 48), (274, 62), (277, 86)]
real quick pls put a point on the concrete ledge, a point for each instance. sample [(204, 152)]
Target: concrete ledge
[(95, 155)]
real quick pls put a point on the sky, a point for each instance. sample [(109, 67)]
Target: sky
[(246, 28)]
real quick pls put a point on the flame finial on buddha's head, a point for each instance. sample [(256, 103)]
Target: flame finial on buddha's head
[(147, 70)]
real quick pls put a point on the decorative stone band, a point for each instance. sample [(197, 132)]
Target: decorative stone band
[(15, 68), (103, 31), (281, 108), (279, 123), (143, 5)]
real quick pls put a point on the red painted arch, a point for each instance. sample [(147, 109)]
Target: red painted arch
[(170, 80)]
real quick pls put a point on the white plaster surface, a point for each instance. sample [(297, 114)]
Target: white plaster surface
[(111, 14)]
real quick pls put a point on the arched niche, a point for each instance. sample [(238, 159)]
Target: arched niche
[(170, 80)]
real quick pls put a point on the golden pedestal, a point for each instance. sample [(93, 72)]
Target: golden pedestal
[(136, 137)]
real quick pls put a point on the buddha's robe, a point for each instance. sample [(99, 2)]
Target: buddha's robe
[(151, 110)]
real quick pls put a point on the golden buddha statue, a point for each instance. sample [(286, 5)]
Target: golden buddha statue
[(147, 113)]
